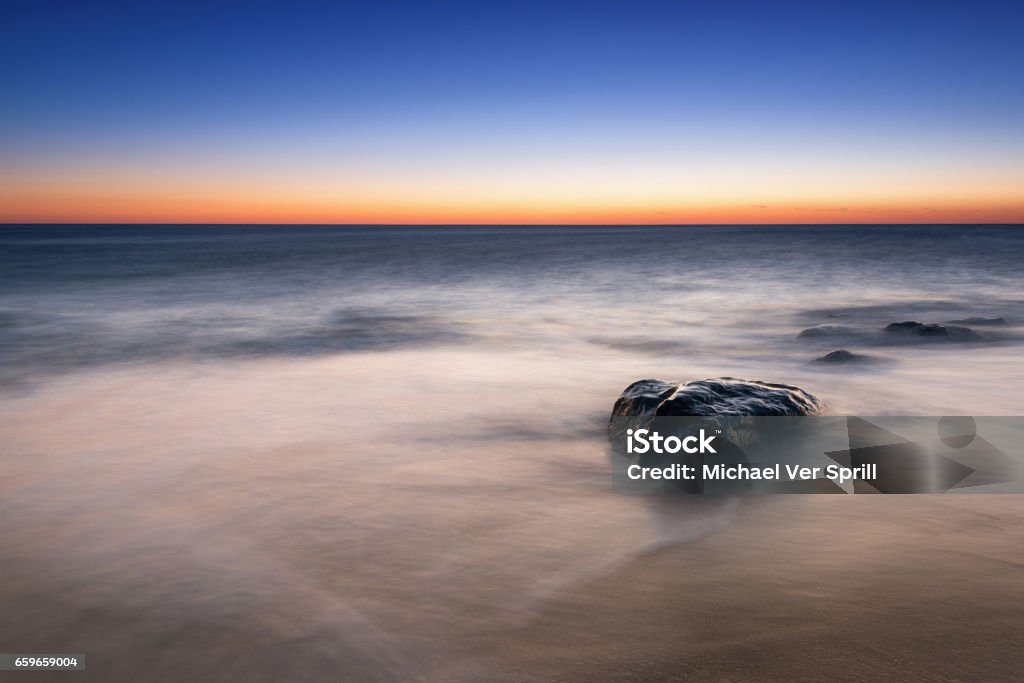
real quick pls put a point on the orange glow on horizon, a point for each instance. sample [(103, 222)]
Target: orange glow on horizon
[(171, 207), (644, 192)]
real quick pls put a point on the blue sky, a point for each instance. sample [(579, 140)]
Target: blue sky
[(243, 93)]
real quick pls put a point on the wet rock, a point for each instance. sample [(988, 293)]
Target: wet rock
[(840, 356), (699, 407), (650, 398), (980, 322), (913, 328)]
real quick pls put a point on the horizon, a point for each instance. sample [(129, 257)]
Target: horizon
[(513, 114), (512, 225)]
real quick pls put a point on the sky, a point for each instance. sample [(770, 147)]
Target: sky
[(492, 112)]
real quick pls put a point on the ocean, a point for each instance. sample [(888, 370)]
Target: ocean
[(236, 449)]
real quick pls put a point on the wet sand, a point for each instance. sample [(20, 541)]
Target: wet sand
[(172, 535), (797, 588)]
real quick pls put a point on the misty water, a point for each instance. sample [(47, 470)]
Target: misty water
[(369, 444)]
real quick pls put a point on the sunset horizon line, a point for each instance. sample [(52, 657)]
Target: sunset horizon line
[(499, 225)]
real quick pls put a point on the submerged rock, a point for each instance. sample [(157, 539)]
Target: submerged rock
[(913, 328), (919, 329), (826, 331), (980, 322), (840, 356), (650, 398)]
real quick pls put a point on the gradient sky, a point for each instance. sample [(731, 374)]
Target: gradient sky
[(422, 112)]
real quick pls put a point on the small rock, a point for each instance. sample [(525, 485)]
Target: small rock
[(826, 331), (839, 356), (933, 331)]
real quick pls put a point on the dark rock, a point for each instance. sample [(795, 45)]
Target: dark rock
[(650, 398), (839, 356), (826, 331), (919, 329), (980, 322), (912, 328), (698, 406)]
